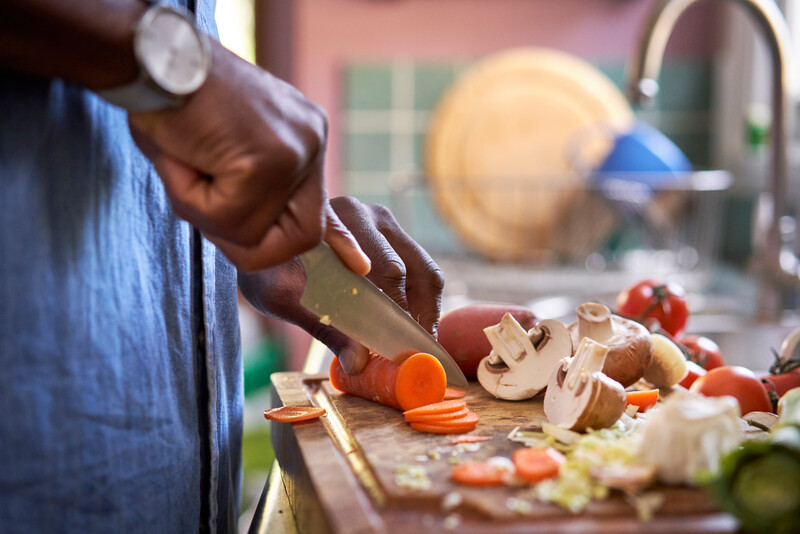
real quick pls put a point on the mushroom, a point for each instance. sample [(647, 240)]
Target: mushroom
[(630, 348), (521, 362), (579, 395), (668, 365)]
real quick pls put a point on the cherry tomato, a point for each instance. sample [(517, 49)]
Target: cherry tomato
[(653, 300), (703, 351), (738, 382), (694, 372)]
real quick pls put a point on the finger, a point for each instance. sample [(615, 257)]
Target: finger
[(184, 186), (353, 358), (298, 228), (344, 244), (424, 281), (388, 271)]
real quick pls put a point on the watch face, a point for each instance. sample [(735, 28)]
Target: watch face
[(172, 52)]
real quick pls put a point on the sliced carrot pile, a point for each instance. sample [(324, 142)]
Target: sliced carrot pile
[(479, 474), (469, 439), (420, 380), (643, 399), (445, 417), (453, 392), (433, 417), (535, 465), (293, 414), (433, 428), (447, 406)]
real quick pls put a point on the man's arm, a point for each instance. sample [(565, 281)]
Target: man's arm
[(241, 159), (85, 42)]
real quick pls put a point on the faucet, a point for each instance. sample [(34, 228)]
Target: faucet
[(642, 84)]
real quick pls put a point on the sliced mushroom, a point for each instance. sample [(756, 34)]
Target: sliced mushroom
[(630, 348), (521, 362), (579, 395)]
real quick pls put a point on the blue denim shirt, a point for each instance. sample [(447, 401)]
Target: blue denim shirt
[(112, 418)]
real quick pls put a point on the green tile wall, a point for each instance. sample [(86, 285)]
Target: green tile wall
[(370, 134)]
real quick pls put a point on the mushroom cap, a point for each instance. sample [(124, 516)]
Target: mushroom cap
[(630, 348), (520, 368)]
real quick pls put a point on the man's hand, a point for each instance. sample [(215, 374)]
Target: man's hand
[(242, 160), (400, 267)]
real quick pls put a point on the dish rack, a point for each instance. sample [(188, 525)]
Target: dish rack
[(632, 222)]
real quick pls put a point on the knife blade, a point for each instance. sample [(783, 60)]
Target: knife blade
[(360, 310)]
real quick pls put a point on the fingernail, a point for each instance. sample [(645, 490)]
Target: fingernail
[(347, 358)]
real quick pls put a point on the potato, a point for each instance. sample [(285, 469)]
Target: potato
[(461, 331)]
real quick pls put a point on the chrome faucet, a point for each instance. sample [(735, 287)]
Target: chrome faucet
[(642, 82)]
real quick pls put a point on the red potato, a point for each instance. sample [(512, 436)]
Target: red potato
[(461, 331)]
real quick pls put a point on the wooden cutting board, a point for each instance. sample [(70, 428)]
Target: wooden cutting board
[(339, 473)]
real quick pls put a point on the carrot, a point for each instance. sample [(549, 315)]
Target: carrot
[(433, 417), (433, 428), (479, 474), (470, 419), (535, 465), (293, 414), (420, 380), (453, 392), (643, 399), (459, 425), (469, 439), (452, 405)]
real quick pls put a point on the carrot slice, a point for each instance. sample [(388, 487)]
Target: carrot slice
[(433, 428), (434, 417), (293, 414), (469, 439), (643, 399), (453, 392), (535, 465), (420, 380), (452, 405), (470, 419), (479, 474)]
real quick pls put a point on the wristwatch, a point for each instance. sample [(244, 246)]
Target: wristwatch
[(173, 59)]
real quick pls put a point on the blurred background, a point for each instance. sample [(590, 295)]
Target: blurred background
[(423, 109)]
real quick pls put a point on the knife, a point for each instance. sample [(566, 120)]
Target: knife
[(357, 308)]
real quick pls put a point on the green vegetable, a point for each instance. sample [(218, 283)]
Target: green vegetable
[(759, 482)]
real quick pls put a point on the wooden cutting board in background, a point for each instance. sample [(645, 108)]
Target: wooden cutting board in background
[(501, 152), (339, 473)]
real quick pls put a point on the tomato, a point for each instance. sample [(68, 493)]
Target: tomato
[(703, 351), (738, 382), (694, 372), (653, 300)]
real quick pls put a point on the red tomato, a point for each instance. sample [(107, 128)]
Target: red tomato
[(738, 382), (695, 372), (703, 351), (650, 299)]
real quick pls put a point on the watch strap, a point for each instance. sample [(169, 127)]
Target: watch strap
[(139, 95)]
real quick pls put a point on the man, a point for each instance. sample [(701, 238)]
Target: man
[(121, 386)]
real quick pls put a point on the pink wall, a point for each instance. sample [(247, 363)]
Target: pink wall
[(332, 33), (326, 35)]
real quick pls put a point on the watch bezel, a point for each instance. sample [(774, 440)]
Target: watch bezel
[(139, 32)]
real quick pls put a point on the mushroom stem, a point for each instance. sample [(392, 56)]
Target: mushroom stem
[(588, 359), (594, 321)]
